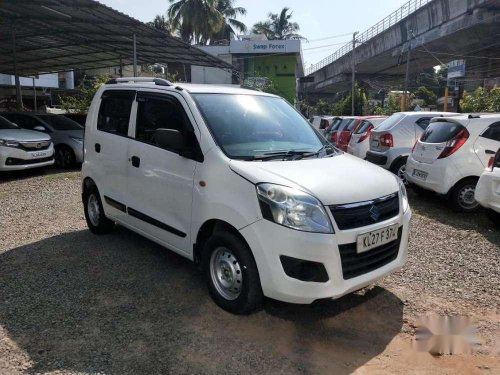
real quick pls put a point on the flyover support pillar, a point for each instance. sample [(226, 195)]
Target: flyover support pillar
[(19, 95)]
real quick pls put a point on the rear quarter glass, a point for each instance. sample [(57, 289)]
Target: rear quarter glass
[(391, 122)]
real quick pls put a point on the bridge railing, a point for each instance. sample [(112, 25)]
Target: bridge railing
[(389, 21)]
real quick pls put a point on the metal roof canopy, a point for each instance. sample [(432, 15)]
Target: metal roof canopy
[(43, 36)]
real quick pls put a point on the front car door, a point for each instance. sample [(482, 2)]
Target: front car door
[(161, 180)]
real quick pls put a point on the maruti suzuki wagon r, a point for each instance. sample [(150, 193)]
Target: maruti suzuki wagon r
[(239, 182)]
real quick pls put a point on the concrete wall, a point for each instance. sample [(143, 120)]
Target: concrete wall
[(202, 74), (50, 80)]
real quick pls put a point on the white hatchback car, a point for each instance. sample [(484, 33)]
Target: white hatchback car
[(488, 187), (451, 155), (392, 141), (235, 180), (359, 144)]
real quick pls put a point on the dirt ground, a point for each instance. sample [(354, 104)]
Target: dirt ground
[(75, 303)]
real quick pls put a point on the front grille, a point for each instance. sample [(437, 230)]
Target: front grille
[(16, 161), (34, 146), (361, 214), (354, 264)]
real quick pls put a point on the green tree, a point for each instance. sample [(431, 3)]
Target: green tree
[(230, 25), (391, 106), (481, 100), (278, 26), (162, 23), (428, 96), (80, 103)]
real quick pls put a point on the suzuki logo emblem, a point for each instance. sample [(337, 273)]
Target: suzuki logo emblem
[(38, 145), (374, 213)]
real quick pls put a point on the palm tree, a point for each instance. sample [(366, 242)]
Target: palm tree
[(278, 26), (162, 23), (230, 25), (196, 20)]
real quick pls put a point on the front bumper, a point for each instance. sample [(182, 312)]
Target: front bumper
[(441, 177), (269, 241), (12, 159), (488, 191)]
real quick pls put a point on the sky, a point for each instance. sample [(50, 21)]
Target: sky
[(318, 19)]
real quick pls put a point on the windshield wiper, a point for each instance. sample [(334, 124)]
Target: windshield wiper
[(279, 154)]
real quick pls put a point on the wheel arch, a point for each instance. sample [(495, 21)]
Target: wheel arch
[(207, 229), (397, 160), (472, 177), (87, 183)]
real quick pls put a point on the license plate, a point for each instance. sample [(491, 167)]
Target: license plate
[(421, 175), (38, 154), (376, 238)]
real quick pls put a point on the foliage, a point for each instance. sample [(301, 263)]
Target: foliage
[(205, 21), (391, 106), (81, 102), (428, 96), (481, 100), (262, 84), (162, 23), (278, 26)]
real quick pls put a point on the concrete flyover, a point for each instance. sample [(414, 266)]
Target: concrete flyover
[(437, 31)]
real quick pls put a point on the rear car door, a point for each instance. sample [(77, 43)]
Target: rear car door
[(109, 149), (488, 142), (160, 179)]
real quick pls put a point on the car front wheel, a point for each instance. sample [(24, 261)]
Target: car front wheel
[(64, 157), (97, 221), (231, 274)]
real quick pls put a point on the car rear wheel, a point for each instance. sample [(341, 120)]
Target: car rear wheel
[(64, 156), (231, 274), (462, 198), (399, 169), (97, 221)]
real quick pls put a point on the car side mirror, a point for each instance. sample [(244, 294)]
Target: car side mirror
[(169, 139), (39, 128)]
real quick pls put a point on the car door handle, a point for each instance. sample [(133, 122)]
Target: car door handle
[(97, 147), (136, 161), (490, 152)]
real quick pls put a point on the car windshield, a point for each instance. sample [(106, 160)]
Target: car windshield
[(60, 122), (391, 121), (6, 124), (248, 126)]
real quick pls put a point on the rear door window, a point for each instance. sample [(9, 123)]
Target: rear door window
[(363, 127), (493, 132), (439, 132), (391, 121), (114, 113)]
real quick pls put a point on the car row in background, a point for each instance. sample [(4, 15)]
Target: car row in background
[(31, 140), (66, 134), (433, 152)]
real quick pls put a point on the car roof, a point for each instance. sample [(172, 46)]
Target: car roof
[(465, 117), (424, 113), (192, 88)]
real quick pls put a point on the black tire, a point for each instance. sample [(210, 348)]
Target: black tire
[(100, 224), (421, 191), (64, 156), (237, 256), (399, 169), (461, 197)]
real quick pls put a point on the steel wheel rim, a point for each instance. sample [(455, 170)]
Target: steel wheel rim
[(93, 210), (466, 197), (225, 272), (402, 174)]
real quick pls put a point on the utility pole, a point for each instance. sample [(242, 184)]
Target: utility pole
[(135, 56), (353, 65), (407, 77), (19, 95)]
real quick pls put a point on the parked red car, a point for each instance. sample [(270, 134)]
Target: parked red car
[(331, 133), (344, 135)]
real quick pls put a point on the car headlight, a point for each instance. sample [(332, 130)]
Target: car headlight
[(77, 140), (7, 143), (404, 195), (293, 208)]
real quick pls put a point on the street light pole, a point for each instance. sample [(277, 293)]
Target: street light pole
[(353, 67)]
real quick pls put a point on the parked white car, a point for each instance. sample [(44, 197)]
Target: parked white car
[(488, 187), (359, 144), (451, 155), (392, 141), (235, 180), (23, 149), (320, 123)]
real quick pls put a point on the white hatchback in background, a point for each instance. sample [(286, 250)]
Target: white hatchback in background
[(488, 187), (235, 180), (392, 141), (451, 155), (359, 143), (23, 149)]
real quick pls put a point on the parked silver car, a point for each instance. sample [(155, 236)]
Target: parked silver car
[(66, 134), (23, 149)]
